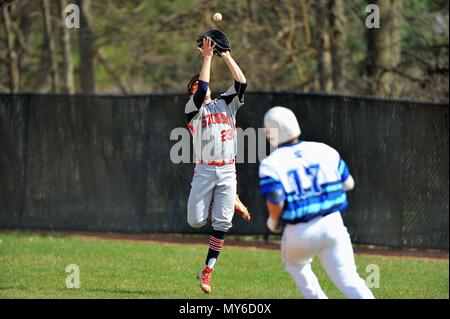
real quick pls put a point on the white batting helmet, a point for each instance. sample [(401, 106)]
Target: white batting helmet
[(281, 125)]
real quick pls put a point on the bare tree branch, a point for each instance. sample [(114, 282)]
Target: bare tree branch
[(103, 60)]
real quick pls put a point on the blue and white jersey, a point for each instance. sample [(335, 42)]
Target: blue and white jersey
[(308, 177)]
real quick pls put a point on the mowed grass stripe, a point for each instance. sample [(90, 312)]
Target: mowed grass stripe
[(33, 266)]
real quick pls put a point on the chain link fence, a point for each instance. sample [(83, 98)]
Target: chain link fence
[(102, 163)]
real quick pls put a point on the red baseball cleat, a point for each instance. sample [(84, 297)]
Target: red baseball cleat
[(241, 210), (205, 277)]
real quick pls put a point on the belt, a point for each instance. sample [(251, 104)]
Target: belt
[(217, 163)]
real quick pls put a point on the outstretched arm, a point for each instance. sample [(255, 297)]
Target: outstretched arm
[(207, 51), (193, 106), (240, 83), (234, 67)]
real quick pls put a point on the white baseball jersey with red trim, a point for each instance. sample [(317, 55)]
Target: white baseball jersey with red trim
[(213, 127)]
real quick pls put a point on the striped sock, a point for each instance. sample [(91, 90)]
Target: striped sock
[(216, 241)]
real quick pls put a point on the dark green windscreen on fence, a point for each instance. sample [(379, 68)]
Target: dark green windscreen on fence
[(102, 163)]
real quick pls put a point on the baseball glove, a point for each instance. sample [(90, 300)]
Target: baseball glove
[(219, 38), (241, 209)]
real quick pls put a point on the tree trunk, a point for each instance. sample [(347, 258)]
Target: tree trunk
[(69, 81), (311, 43), (51, 45), (87, 51), (289, 25), (13, 61), (384, 49), (326, 60), (305, 17), (338, 43)]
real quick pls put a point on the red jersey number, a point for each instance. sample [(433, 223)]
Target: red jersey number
[(227, 135)]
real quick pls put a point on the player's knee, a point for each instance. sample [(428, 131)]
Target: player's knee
[(296, 271), (194, 217), (196, 223), (351, 282)]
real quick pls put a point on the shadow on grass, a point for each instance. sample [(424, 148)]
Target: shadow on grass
[(13, 287), (113, 291), (103, 292)]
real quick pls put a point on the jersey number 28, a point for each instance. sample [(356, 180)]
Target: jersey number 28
[(226, 135)]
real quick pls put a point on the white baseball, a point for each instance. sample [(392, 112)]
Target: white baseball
[(217, 16)]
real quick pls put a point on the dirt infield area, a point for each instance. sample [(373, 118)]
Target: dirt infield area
[(258, 242)]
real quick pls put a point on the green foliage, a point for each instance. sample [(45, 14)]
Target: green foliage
[(151, 45)]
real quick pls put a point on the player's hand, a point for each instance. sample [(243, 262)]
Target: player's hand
[(207, 49), (273, 225)]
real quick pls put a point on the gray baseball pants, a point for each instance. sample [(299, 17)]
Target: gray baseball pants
[(212, 184)]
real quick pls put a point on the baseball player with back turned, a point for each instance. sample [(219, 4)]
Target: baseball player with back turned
[(304, 184), (212, 124)]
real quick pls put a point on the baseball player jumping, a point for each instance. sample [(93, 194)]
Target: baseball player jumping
[(212, 124), (304, 184)]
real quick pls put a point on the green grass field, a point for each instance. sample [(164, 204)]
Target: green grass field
[(33, 266)]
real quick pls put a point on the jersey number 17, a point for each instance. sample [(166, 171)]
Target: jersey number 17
[(311, 172)]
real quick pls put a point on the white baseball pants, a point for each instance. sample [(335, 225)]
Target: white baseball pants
[(212, 184), (326, 237)]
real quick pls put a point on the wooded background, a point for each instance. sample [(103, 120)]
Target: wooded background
[(129, 47)]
